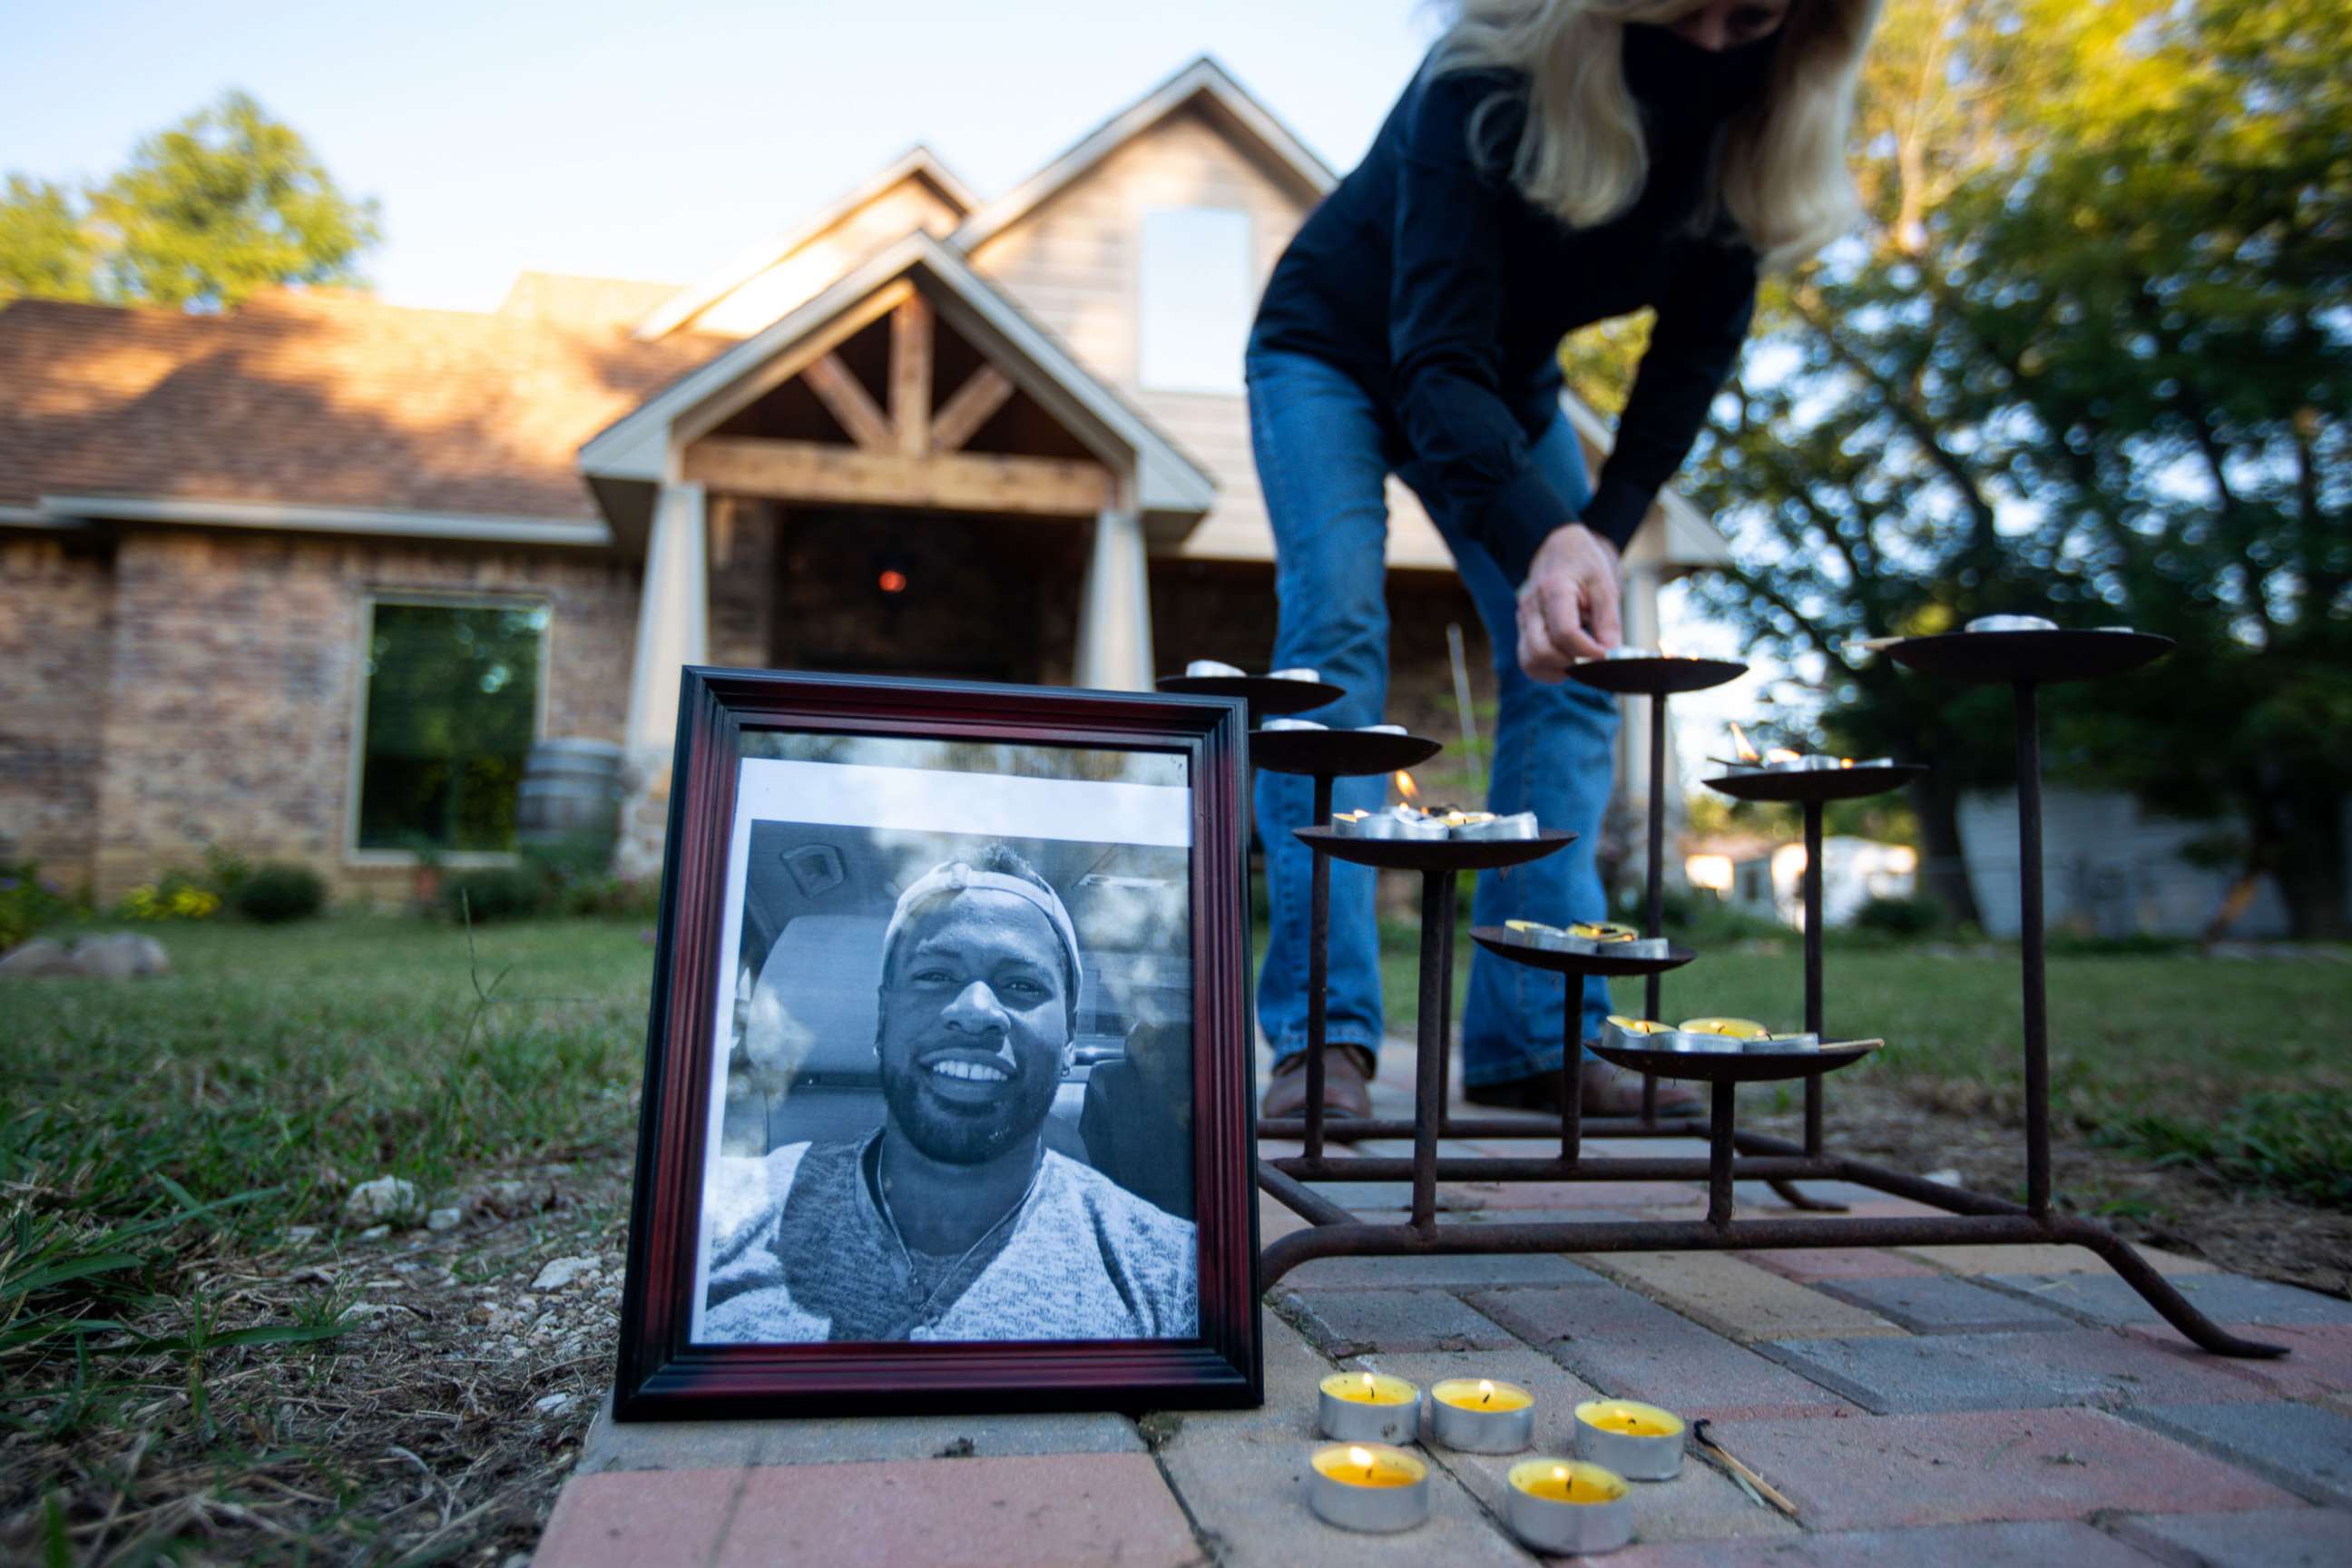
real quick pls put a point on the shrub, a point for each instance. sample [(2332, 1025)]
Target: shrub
[(28, 901), (1901, 918), (277, 890), (496, 893), (173, 896)]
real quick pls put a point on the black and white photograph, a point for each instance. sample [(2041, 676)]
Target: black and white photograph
[(953, 1087)]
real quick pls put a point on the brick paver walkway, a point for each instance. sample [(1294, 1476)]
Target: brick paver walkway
[(1967, 1405)]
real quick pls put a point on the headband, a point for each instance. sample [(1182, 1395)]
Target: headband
[(955, 876)]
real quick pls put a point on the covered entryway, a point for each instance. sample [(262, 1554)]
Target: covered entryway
[(917, 479)]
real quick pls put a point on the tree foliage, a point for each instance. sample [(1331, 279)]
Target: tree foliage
[(2093, 359), (222, 205)]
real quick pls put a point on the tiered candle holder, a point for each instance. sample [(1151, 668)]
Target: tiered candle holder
[(1324, 756), (1658, 677), (2026, 660), (1814, 789)]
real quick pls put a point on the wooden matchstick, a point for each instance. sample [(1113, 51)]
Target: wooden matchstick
[(1771, 1492)]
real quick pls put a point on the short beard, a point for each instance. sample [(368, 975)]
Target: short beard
[(954, 1137)]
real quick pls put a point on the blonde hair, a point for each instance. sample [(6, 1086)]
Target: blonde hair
[(1783, 177)]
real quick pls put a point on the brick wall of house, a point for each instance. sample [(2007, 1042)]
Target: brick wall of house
[(235, 676), (55, 600)]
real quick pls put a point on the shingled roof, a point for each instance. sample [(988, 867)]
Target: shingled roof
[(317, 399)]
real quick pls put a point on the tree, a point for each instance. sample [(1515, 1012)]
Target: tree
[(45, 250), (2090, 358), (224, 204)]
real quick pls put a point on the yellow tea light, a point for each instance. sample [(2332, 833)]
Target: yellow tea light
[(1482, 1416), (1603, 931), (1369, 1408), (1639, 1025), (1368, 1486), (1734, 1028), (1640, 1442), (1532, 928), (1561, 1507)]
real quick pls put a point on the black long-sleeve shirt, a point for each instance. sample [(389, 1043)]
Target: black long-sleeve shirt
[(1429, 278)]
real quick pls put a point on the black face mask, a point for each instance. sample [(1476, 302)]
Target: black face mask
[(1663, 70)]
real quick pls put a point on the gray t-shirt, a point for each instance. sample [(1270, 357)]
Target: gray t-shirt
[(801, 1253)]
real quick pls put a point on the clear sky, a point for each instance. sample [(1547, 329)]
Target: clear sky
[(656, 140)]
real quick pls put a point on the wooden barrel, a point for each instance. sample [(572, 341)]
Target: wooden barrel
[(571, 791)]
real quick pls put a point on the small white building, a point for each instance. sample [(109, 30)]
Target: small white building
[(1771, 881)]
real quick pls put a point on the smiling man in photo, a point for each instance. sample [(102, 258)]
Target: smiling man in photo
[(953, 1221)]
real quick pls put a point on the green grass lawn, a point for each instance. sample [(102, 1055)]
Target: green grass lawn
[(160, 1138)]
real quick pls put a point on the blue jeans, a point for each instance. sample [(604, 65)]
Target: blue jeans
[(1322, 459)]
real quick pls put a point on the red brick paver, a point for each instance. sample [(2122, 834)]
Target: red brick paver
[(1903, 1471), (944, 1513)]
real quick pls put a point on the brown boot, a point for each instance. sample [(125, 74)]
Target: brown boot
[(1347, 1077), (1607, 1090)]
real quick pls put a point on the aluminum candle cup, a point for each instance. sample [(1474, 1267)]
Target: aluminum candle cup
[(2010, 624), (1315, 675), (1209, 669), (1382, 730), (1719, 1035), (1518, 824), (1368, 1486), (1292, 724), (1771, 1043), (1563, 1505), (1480, 1416), (1369, 1408), (1639, 1442), (1641, 1035)]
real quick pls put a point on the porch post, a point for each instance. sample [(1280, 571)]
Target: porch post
[(673, 620), (1114, 650)]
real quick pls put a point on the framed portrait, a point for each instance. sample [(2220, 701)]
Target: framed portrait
[(947, 1097)]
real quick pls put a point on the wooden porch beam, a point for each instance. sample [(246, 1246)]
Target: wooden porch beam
[(845, 398), (975, 402), (910, 376), (813, 473)]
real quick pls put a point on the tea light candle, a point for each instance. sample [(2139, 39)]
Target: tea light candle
[(1480, 1416), (1281, 724), (1561, 1506), (1295, 674), (2011, 623), (1366, 1486), (1211, 668), (1796, 1042), (1369, 1406), (1722, 1034), (1640, 1442)]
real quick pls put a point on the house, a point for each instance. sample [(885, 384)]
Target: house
[(307, 579), (1766, 880)]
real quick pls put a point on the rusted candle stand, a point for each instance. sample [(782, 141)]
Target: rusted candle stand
[(1656, 679), (1325, 755), (2025, 660), (1814, 789)]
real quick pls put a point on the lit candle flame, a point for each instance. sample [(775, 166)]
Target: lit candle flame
[(1405, 786), (1362, 1457), (1367, 1382), (1486, 1391), (1845, 761), (1739, 739), (1781, 754)]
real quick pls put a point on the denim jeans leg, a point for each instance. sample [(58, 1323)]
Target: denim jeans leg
[(1554, 756), (1322, 470)]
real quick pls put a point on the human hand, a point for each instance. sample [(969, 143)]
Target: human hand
[(1567, 605)]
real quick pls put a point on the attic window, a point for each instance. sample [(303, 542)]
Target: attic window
[(1195, 299)]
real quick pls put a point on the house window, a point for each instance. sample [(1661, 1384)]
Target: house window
[(1196, 301), (453, 705)]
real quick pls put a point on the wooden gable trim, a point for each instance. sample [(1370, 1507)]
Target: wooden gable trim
[(809, 472)]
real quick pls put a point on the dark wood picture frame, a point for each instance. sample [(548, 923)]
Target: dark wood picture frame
[(661, 1373)]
